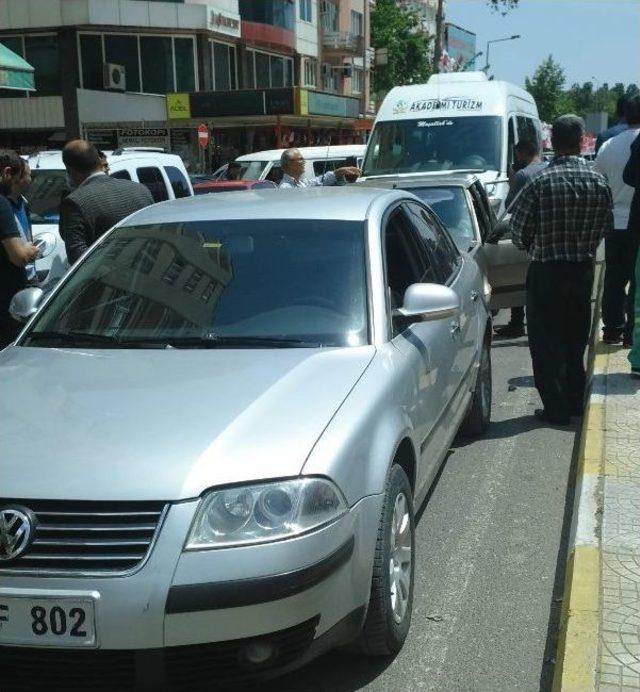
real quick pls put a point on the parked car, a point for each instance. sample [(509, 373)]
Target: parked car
[(232, 436), (208, 186), (461, 203), (164, 174)]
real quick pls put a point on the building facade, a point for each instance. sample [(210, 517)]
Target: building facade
[(148, 72)]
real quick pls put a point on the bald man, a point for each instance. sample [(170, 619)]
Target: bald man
[(97, 201), (292, 163)]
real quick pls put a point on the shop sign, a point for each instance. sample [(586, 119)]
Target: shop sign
[(278, 101), (178, 106), (302, 101), (144, 137), (223, 22), (220, 103), (330, 104), (103, 139)]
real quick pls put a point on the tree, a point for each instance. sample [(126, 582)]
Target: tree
[(400, 31), (502, 6), (546, 87)]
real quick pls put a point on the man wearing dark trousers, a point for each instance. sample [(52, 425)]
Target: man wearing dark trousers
[(98, 201), (621, 245), (560, 218)]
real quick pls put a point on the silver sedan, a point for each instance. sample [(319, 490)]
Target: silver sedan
[(216, 432)]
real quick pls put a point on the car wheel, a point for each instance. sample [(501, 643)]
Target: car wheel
[(478, 416), (389, 615)]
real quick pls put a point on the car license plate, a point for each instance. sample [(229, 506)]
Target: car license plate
[(48, 621)]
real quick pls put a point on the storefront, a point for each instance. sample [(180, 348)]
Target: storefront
[(245, 121)]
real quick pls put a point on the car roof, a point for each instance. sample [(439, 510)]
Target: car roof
[(53, 159), (407, 182), (308, 152), (347, 203)]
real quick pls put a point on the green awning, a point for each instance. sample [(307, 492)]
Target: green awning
[(15, 73)]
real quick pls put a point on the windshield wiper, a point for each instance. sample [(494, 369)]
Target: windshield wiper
[(107, 340), (215, 341)]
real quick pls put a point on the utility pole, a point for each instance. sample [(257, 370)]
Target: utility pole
[(437, 52)]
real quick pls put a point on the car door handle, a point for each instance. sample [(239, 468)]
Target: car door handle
[(455, 329), (474, 296)]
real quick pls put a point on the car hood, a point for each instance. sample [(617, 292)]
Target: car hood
[(163, 425)]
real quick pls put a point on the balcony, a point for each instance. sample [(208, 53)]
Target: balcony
[(342, 42)]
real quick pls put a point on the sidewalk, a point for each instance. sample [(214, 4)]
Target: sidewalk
[(599, 643)]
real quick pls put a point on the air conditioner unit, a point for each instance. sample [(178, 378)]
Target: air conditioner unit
[(114, 77)]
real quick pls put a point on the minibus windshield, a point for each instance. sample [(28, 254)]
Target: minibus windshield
[(472, 143)]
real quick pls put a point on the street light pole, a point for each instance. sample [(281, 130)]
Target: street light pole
[(497, 40)]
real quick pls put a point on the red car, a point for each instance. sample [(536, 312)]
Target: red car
[(207, 186)]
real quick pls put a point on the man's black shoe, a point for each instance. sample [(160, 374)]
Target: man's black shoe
[(509, 331), (542, 415)]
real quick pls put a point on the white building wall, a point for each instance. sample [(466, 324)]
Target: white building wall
[(307, 32)]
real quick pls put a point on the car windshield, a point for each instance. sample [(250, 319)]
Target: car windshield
[(252, 170), (200, 284), (450, 204), (434, 144), (45, 194)]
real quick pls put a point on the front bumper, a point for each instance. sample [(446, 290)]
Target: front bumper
[(183, 610)]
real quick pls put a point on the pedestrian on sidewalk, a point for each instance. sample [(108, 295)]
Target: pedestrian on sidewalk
[(631, 176), (527, 165), (620, 126), (97, 201), (621, 245), (560, 217), (16, 252)]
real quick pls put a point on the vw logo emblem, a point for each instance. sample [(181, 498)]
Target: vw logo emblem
[(16, 532)]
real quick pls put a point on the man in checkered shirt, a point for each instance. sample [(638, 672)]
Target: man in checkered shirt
[(560, 217)]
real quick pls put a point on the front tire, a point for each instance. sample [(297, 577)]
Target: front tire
[(478, 416), (391, 602)]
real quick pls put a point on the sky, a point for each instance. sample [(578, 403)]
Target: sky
[(593, 40)]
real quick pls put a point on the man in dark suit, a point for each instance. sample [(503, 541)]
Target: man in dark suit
[(97, 201)]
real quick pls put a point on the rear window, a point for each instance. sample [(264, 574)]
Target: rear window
[(45, 195), (123, 175), (178, 182), (152, 178)]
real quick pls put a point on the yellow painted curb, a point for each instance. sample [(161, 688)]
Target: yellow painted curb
[(577, 655)]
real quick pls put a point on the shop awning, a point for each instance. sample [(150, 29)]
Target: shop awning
[(15, 73)]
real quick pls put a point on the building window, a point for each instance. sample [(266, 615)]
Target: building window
[(310, 73), (357, 81), (329, 78), (357, 23), (224, 66), (41, 51), (329, 16), (153, 64), (306, 11), (269, 71), (273, 12), (122, 49)]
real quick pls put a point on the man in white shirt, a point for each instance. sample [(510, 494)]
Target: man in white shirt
[(621, 246), (292, 163)]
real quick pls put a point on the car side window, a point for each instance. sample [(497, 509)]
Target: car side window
[(151, 177), (122, 175), (406, 262), (325, 165), (527, 129), (511, 143), (275, 174), (482, 209), (441, 250), (178, 182)]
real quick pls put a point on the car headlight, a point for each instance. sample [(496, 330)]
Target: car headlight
[(265, 512)]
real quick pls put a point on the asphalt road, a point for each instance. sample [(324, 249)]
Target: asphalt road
[(491, 541)]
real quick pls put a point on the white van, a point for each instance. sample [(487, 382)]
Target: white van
[(164, 174), (460, 122), (265, 165)]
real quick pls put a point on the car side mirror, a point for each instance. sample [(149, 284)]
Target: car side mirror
[(26, 303), (502, 229), (427, 302)]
